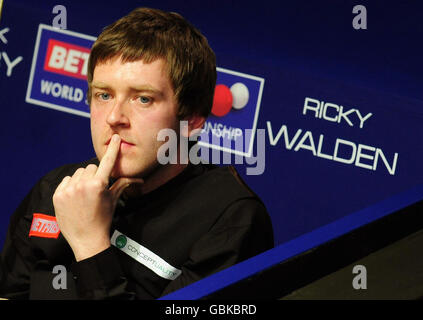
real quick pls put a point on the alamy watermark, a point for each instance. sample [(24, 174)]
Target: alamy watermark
[(60, 281), (175, 149), (360, 20), (360, 280), (61, 18)]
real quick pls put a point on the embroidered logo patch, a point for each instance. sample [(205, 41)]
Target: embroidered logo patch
[(44, 226), (146, 257)]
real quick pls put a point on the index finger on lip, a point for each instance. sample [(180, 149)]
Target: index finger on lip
[(108, 162)]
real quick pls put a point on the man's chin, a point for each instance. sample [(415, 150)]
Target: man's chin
[(119, 172)]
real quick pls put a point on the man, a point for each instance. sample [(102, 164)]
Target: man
[(123, 225)]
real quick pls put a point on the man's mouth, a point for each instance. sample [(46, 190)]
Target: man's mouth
[(123, 142)]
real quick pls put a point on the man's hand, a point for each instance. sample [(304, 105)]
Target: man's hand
[(84, 205)]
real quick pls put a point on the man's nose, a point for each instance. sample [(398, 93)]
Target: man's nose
[(117, 115)]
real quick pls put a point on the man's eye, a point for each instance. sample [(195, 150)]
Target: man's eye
[(104, 96), (144, 99)]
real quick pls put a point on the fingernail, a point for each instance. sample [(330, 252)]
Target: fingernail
[(116, 138)]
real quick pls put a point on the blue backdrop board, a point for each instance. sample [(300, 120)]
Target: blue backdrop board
[(333, 113)]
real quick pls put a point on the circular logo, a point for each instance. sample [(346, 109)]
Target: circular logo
[(120, 241)]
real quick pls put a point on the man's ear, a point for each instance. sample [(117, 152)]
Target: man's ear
[(195, 124)]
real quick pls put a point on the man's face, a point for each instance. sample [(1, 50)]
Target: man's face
[(135, 100)]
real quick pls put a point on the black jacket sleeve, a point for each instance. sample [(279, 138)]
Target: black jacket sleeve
[(101, 277)]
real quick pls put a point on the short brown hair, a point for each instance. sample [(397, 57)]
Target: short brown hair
[(150, 34)]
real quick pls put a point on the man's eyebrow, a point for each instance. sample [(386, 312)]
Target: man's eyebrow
[(146, 88), (100, 85), (141, 88)]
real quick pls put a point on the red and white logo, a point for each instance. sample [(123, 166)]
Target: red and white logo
[(67, 59), (44, 226), (226, 98), (232, 124)]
